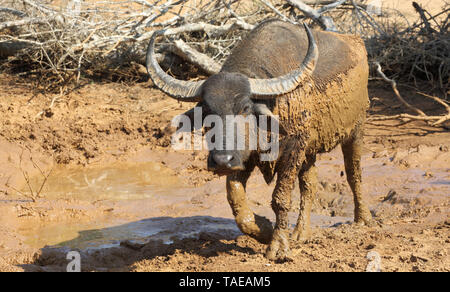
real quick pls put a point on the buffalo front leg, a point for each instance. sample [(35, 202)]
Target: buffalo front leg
[(308, 189), (352, 149), (281, 204), (258, 227)]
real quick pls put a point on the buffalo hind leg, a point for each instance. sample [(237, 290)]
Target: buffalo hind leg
[(308, 190), (249, 223), (352, 149)]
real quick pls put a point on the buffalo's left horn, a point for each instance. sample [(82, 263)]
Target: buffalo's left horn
[(178, 89), (267, 88)]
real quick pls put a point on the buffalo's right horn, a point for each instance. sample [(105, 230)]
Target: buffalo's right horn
[(178, 89)]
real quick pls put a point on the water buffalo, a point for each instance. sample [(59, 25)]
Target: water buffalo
[(315, 84)]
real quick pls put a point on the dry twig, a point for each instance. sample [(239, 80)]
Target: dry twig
[(32, 195), (421, 116), (397, 93)]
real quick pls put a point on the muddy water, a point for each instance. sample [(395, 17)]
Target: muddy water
[(145, 192), (133, 184), (119, 181), (99, 235)]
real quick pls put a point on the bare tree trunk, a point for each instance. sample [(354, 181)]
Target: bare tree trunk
[(10, 48)]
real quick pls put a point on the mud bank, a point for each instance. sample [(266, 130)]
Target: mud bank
[(119, 195)]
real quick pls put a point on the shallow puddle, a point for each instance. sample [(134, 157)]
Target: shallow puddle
[(136, 185), (152, 185), (112, 182), (129, 183), (167, 229)]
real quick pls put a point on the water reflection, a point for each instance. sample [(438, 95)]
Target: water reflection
[(82, 237), (112, 182)]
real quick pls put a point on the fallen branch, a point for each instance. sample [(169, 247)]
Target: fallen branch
[(193, 56), (325, 22), (330, 6), (10, 48), (397, 93), (12, 11), (277, 12), (210, 29), (421, 116), (25, 21), (54, 99), (432, 120), (345, 4)]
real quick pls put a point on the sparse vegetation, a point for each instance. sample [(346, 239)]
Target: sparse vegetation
[(57, 45), (33, 193)]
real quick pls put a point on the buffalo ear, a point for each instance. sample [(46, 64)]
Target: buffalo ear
[(261, 109)]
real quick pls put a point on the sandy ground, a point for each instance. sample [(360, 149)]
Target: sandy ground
[(116, 183)]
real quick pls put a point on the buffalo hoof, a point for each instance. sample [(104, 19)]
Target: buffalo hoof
[(260, 228), (301, 233), (278, 249), (364, 218), (266, 229)]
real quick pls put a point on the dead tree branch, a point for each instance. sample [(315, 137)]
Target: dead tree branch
[(64, 43), (325, 22), (25, 21), (421, 116), (12, 11), (277, 12), (200, 60), (397, 93)]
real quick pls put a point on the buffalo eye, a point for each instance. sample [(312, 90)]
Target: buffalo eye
[(246, 109)]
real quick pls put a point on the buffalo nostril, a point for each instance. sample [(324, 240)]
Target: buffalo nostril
[(223, 160)]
